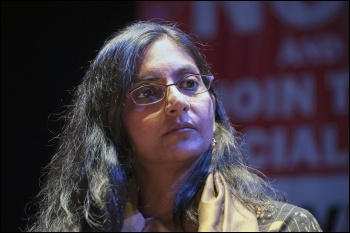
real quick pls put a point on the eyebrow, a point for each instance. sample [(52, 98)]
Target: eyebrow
[(151, 78)]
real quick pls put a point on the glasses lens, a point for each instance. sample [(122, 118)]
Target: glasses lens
[(207, 80), (148, 94), (194, 84)]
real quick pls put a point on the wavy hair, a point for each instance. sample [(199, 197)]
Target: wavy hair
[(86, 181)]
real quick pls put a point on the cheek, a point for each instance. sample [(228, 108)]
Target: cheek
[(206, 115), (135, 130), (132, 120), (141, 125)]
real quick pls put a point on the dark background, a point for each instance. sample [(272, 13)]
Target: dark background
[(46, 48)]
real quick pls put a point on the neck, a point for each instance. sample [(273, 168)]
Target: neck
[(158, 185)]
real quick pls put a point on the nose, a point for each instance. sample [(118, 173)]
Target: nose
[(176, 102)]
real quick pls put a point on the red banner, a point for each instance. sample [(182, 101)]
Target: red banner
[(283, 74)]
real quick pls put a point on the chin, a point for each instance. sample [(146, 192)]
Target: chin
[(189, 148)]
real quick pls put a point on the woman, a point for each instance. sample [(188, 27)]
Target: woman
[(147, 146)]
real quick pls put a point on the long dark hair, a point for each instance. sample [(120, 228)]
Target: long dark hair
[(87, 178)]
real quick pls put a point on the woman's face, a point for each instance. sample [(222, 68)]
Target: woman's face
[(178, 128)]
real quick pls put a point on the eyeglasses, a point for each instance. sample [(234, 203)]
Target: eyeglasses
[(190, 85)]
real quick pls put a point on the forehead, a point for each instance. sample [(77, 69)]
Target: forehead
[(163, 57)]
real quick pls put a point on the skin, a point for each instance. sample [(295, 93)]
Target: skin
[(163, 156)]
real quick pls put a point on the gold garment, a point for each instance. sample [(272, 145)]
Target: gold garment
[(218, 211)]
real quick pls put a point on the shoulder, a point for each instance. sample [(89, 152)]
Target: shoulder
[(281, 217)]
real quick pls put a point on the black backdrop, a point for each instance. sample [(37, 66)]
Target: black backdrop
[(45, 50)]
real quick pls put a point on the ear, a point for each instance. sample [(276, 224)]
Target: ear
[(213, 100)]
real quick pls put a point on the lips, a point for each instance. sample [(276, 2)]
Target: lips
[(180, 127)]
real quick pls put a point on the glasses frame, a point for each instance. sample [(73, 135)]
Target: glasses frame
[(211, 78)]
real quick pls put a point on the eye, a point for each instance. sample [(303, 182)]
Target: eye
[(144, 92), (189, 84), (147, 94)]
